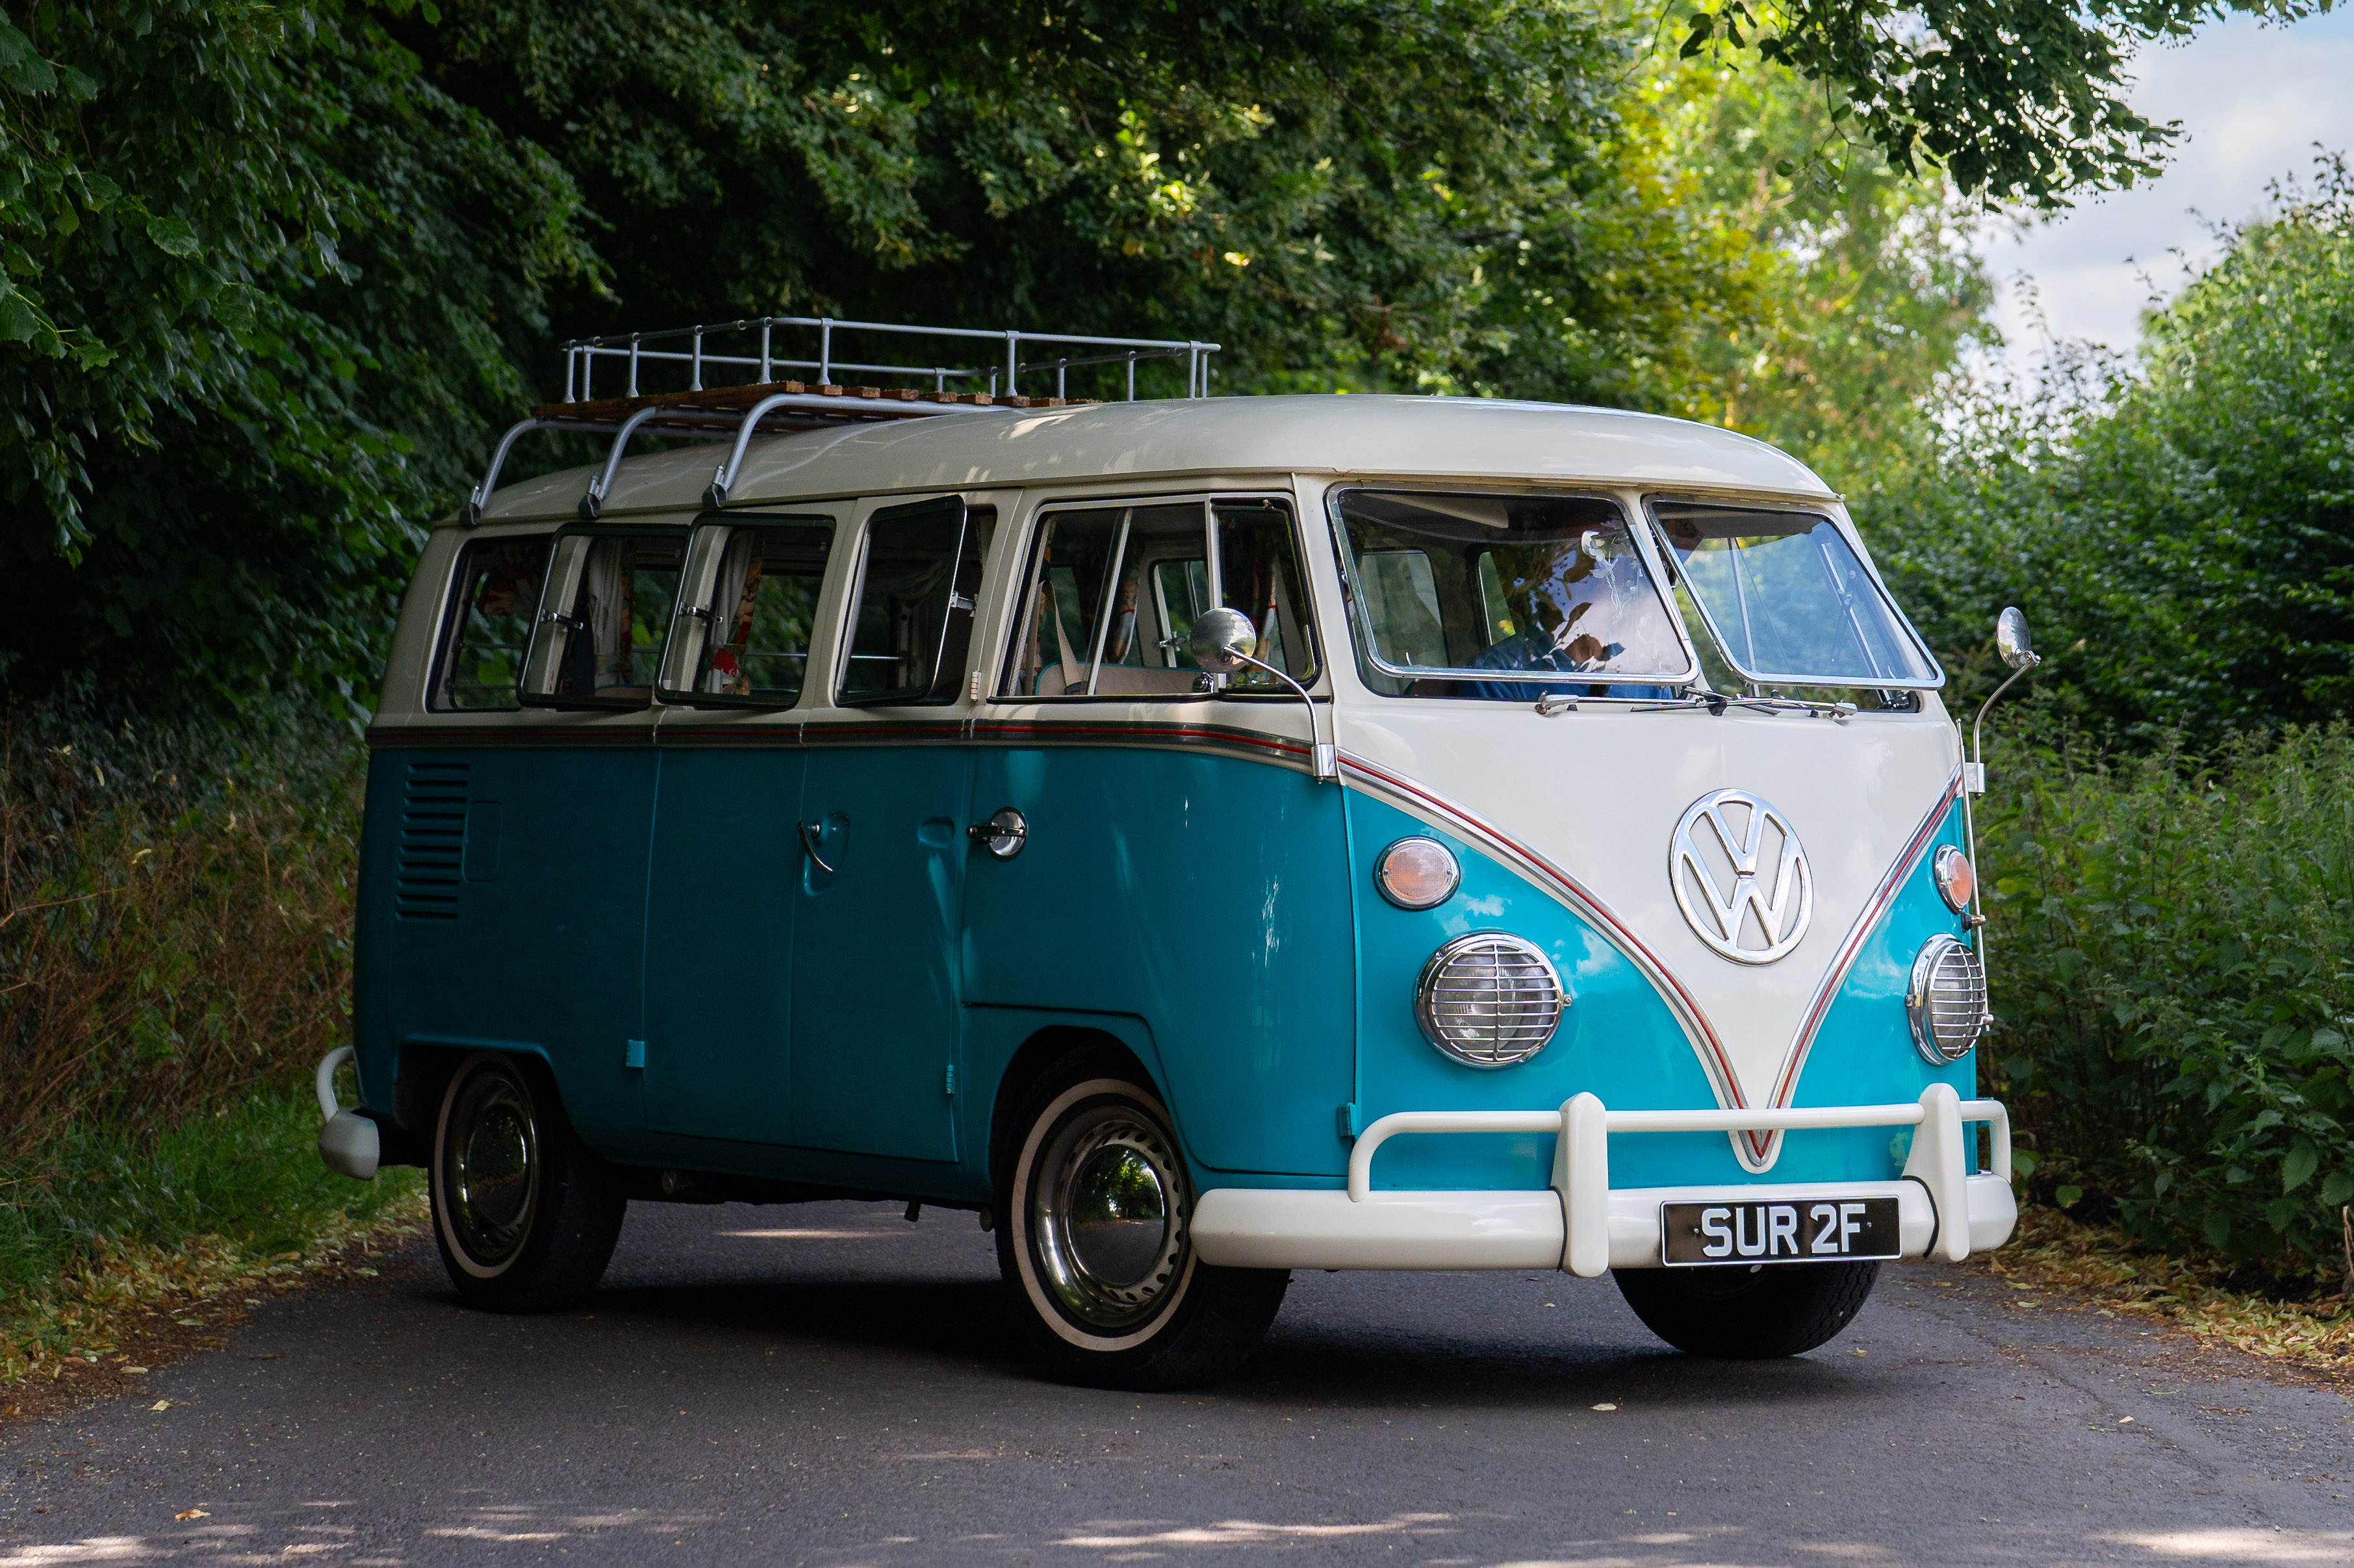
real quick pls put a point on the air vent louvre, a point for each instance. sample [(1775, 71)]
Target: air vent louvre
[(432, 842)]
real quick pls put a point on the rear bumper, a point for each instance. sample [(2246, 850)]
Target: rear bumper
[(1580, 1224)]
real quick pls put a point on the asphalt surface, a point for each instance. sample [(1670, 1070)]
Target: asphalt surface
[(827, 1384)]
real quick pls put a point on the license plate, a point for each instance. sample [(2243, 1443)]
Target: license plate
[(1785, 1230)]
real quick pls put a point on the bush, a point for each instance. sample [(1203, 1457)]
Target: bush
[(2181, 524), (2173, 971), (174, 916)]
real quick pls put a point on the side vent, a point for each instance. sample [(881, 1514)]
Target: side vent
[(432, 842)]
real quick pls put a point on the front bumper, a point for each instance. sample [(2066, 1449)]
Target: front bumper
[(1580, 1224)]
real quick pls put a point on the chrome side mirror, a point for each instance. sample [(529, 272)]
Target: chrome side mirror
[(2011, 641), (1223, 641)]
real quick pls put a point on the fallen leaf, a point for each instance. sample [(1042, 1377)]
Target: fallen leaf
[(2124, 1420), (190, 1322), (134, 1369), (192, 1513), (1859, 1353), (1605, 1407), (161, 1405)]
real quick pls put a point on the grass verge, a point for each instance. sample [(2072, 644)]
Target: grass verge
[(121, 1247), (2095, 1263)]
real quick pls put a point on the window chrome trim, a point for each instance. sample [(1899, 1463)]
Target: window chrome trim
[(1362, 640), (1863, 559)]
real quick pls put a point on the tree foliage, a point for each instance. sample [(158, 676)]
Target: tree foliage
[(264, 286), (2179, 528), (2018, 99), (276, 275)]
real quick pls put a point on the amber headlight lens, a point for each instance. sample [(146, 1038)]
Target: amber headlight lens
[(1957, 883), (1489, 1000), (1948, 1001), (1418, 874)]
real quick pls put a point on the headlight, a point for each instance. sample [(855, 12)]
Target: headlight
[(1956, 881), (1489, 1000), (1417, 873), (1948, 1001)]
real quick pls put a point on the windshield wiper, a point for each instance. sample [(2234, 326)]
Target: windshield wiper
[(1717, 702)]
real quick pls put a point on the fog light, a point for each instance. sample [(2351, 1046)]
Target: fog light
[(1957, 881), (1947, 1001), (1418, 874), (1489, 1000)]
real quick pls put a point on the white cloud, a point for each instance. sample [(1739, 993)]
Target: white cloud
[(2252, 101)]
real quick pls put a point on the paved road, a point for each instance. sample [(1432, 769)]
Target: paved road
[(829, 1385)]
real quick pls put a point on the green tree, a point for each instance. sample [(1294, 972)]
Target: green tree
[(264, 285), (2187, 517)]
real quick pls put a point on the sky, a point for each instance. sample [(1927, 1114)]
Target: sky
[(2252, 101)]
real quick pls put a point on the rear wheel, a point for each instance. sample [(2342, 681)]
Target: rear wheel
[(525, 1215), (1748, 1314), (1095, 1237)]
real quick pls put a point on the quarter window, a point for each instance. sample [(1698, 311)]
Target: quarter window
[(602, 615), (489, 624)]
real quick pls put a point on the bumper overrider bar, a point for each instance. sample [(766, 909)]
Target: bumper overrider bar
[(1582, 1225)]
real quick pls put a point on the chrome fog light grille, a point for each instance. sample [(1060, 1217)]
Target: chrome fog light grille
[(1489, 1000), (1946, 1000)]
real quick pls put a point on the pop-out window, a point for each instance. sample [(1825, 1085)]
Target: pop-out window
[(911, 621), (748, 607), (1504, 597), (602, 615), (1113, 591), (498, 588), (1786, 600)]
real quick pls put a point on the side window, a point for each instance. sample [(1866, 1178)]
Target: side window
[(746, 606), (490, 625), (602, 615), (1113, 591), (1259, 574), (911, 622)]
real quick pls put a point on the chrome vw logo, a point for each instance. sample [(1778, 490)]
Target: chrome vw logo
[(1750, 916)]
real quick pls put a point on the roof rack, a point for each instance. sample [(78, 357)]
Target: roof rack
[(732, 392)]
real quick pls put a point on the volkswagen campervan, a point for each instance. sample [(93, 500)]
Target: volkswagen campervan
[(1203, 837)]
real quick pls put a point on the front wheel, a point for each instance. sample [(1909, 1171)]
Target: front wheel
[(1095, 1238), (1748, 1314), (525, 1213)]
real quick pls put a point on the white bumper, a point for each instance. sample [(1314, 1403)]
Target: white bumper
[(1580, 1224)]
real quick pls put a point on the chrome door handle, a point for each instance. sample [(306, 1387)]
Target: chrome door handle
[(812, 835), (1003, 835)]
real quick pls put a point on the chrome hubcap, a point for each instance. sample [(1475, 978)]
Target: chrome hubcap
[(1108, 1216), (491, 1168)]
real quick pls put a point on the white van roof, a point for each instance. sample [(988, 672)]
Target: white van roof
[(1325, 433)]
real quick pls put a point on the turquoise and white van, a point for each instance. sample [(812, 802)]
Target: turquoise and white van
[(1203, 837)]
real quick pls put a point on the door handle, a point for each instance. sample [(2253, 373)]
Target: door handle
[(813, 836), (1003, 835)]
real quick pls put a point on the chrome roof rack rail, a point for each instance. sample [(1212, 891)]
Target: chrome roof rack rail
[(750, 392)]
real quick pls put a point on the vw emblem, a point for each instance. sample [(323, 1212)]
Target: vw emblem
[(1741, 877)]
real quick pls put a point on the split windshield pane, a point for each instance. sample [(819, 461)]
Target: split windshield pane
[(1453, 591), (1788, 601)]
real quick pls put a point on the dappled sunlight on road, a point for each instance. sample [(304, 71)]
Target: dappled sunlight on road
[(2244, 1545)]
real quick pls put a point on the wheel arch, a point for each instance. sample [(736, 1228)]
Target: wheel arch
[(1040, 1055)]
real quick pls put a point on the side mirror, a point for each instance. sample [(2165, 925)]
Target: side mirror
[(1223, 641), (2011, 641)]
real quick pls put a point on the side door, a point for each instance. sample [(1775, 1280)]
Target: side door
[(1181, 867), (878, 998), (726, 851)]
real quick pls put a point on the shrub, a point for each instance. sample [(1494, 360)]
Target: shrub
[(174, 916), (2173, 971)]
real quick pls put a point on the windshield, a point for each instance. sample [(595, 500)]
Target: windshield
[(1453, 591), (1788, 601)]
